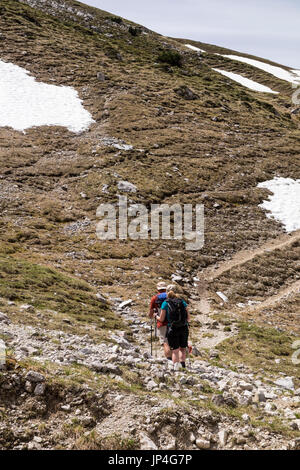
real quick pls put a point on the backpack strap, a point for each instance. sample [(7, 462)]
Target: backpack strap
[(160, 298)]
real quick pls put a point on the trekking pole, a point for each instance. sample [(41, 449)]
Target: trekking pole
[(189, 359), (155, 336), (151, 335), (188, 350)]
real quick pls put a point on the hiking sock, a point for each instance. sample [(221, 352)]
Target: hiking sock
[(183, 364)]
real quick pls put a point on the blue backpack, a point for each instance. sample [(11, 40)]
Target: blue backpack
[(160, 298)]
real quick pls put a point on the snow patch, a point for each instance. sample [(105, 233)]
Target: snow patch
[(222, 296), (26, 103), (297, 73), (194, 48), (123, 147), (246, 82), (292, 76), (284, 204)]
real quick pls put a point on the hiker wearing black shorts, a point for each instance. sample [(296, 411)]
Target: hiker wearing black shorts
[(174, 310)]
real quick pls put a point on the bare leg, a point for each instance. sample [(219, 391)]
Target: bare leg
[(175, 356), (167, 350), (182, 354)]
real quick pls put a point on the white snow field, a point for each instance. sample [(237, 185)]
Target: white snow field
[(246, 82), (297, 73), (26, 103), (194, 48), (284, 204), (292, 76)]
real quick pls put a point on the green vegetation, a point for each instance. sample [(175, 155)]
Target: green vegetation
[(94, 441), (115, 19), (170, 57), (134, 31), (46, 288)]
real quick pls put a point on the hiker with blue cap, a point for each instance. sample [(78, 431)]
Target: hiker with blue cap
[(160, 326)]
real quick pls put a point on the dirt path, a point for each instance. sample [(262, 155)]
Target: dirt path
[(211, 273), (242, 257), (210, 333), (294, 288)]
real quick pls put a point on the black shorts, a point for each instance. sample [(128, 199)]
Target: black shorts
[(178, 338)]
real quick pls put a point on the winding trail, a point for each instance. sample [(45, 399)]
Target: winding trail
[(208, 275), (242, 257), (283, 293)]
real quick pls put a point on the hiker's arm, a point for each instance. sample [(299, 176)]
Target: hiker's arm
[(152, 308), (162, 316), (188, 315), (151, 312)]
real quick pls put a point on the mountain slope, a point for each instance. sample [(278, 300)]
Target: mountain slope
[(213, 149)]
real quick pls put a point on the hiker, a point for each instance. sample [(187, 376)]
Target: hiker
[(155, 306), (174, 311)]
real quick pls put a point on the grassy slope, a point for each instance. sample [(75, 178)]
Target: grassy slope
[(213, 150)]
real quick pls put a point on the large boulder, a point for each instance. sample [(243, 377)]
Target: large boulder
[(146, 443), (203, 444), (127, 187), (285, 382), (106, 368), (35, 377), (4, 318), (186, 93)]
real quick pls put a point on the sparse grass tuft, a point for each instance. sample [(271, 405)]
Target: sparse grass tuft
[(93, 441)]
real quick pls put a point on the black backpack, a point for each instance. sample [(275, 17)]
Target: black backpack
[(177, 314)]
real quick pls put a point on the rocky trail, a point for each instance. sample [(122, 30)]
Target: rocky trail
[(143, 415)]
